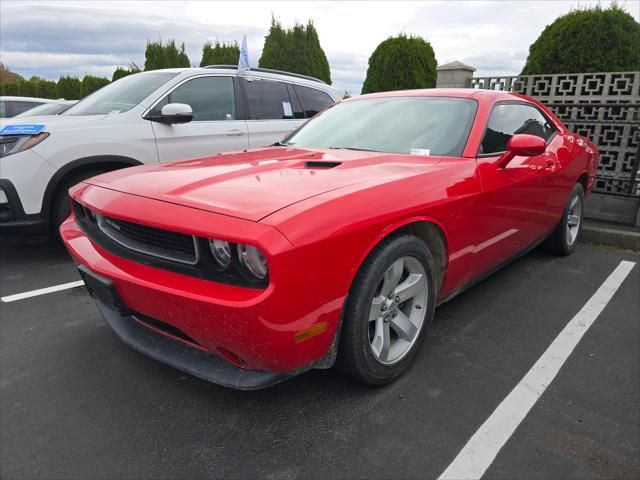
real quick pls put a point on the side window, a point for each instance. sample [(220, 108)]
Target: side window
[(510, 119), (268, 100), (3, 109), (313, 100), (20, 107), (295, 103), (210, 98)]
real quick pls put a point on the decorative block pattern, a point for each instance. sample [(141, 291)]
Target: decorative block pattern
[(604, 107)]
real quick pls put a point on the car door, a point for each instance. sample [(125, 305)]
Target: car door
[(514, 206), (214, 128), (273, 111)]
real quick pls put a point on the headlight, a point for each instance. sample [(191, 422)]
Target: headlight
[(10, 144), (237, 259), (221, 252), (253, 260)]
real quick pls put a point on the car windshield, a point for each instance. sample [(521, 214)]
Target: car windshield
[(418, 125), (45, 109), (121, 95)]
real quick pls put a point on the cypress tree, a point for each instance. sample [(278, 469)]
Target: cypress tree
[(401, 63), (220, 54), (295, 50), (183, 59), (587, 40), (158, 55)]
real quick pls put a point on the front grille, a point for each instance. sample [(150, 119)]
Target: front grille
[(172, 251), (155, 242), (174, 246)]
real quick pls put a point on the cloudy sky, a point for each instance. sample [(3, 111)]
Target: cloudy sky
[(56, 38)]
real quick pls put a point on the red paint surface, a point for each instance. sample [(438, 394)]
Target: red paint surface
[(317, 226)]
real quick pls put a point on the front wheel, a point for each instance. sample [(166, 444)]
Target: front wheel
[(390, 307), (564, 238)]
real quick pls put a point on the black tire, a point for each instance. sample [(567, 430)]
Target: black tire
[(60, 206), (355, 357), (560, 241)]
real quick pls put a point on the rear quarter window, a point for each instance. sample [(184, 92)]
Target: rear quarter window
[(312, 100), (20, 107)]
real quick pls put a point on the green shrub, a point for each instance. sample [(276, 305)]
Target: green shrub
[(400, 63), (46, 89), (90, 84), (121, 72), (69, 88), (10, 88), (587, 40), (27, 88)]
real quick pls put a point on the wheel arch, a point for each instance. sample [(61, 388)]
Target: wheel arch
[(71, 169), (429, 230), (584, 180)]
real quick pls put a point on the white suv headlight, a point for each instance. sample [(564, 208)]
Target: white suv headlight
[(10, 144)]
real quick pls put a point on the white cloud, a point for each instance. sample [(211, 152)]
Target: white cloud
[(53, 38)]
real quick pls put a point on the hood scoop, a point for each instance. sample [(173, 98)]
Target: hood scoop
[(322, 165)]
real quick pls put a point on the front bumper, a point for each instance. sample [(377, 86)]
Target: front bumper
[(255, 330), (184, 357), (14, 222)]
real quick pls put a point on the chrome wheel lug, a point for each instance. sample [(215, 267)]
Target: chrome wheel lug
[(383, 307), (397, 299)]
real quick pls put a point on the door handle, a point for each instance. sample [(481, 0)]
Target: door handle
[(235, 133)]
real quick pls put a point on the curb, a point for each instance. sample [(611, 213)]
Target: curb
[(620, 236)]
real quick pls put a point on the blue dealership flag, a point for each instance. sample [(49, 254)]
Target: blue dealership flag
[(243, 61)]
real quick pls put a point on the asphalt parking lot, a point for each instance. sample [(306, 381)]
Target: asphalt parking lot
[(75, 402)]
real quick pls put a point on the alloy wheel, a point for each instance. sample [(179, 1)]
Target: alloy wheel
[(574, 218), (398, 310)]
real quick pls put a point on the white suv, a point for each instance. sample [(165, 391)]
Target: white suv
[(149, 117)]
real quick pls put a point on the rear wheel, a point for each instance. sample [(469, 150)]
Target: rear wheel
[(389, 310), (565, 237)]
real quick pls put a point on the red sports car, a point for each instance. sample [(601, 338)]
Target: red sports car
[(334, 246)]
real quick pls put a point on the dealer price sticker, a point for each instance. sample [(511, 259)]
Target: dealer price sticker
[(26, 129)]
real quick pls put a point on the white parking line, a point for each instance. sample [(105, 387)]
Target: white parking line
[(41, 291), (481, 450)]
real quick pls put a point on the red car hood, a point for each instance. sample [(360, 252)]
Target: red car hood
[(252, 185)]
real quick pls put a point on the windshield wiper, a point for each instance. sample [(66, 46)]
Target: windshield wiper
[(279, 144), (356, 149)]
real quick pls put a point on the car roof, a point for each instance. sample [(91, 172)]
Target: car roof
[(492, 95), (11, 98), (257, 73)]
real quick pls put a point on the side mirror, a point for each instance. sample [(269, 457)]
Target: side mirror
[(522, 145), (173, 113)]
